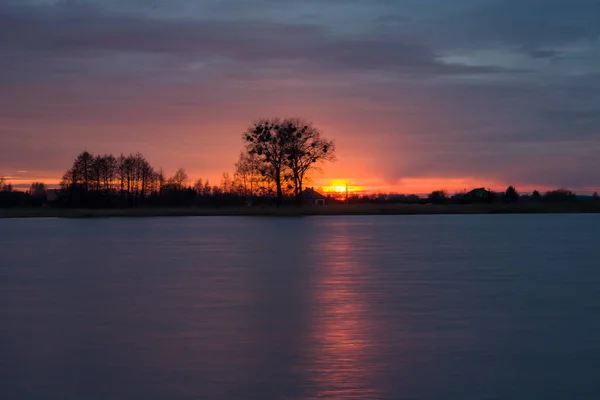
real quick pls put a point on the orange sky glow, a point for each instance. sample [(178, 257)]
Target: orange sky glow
[(441, 102), (376, 156), (321, 181)]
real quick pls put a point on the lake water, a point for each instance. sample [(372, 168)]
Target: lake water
[(384, 307)]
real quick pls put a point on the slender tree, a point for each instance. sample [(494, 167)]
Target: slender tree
[(124, 175), (82, 168), (226, 183), (247, 174), (207, 188), (4, 186), (38, 190), (103, 173), (160, 177), (199, 187), (179, 180)]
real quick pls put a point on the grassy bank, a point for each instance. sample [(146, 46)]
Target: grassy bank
[(351, 209)]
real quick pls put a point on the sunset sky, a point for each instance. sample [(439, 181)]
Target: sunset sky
[(418, 94)]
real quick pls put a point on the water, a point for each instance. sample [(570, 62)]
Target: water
[(406, 307)]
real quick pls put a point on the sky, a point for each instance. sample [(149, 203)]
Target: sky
[(417, 94)]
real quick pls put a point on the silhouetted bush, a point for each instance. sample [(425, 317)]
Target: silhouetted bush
[(511, 195), (438, 197), (559, 196)]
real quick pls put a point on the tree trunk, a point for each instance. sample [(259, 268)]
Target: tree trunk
[(298, 190), (279, 191)]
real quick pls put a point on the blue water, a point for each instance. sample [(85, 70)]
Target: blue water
[(404, 307)]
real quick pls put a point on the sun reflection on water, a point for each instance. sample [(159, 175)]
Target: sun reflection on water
[(341, 367)]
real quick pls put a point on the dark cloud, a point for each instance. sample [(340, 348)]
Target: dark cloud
[(531, 25), (537, 23), (85, 30)]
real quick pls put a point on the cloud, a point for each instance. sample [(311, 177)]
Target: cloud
[(523, 24), (488, 89), (80, 33)]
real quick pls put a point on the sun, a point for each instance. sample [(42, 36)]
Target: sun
[(341, 187)]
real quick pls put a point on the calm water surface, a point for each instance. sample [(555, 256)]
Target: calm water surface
[(406, 307)]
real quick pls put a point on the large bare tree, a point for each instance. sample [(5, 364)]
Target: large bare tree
[(287, 149), (305, 150)]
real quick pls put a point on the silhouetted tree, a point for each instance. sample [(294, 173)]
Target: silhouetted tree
[(226, 183), (15, 198), (160, 180), (437, 197), (179, 180), (199, 187), (305, 148), (105, 169), (511, 195), (595, 196), (536, 196), (247, 174), (7, 188), (92, 181), (266, 140), (38, 190), (82, 168), (75, 182), (146, 176), (95, 177), (123, 172), (559, 195), (216, 191), (77, 178), (287, 150), (136, 177), (207, 188)]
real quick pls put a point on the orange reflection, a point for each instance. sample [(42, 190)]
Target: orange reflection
[(342, 326)]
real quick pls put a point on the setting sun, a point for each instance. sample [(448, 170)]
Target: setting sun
[(341, 186)]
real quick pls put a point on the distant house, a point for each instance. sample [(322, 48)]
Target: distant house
[(479, 194), (311, 197)]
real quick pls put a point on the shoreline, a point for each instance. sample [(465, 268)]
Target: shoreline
[(293, 211)]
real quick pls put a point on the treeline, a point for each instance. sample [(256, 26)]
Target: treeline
[(34, 197), (442, 197), (273, 166), (275, 163), (276, 158), (242, 189), (131, 181)]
